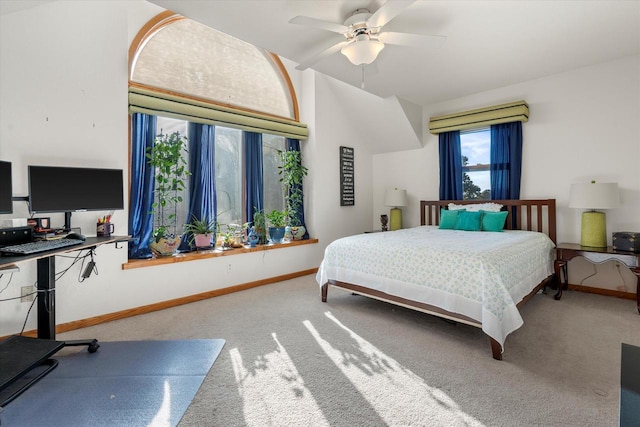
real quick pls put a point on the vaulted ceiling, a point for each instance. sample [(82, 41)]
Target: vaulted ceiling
[(490, 44)]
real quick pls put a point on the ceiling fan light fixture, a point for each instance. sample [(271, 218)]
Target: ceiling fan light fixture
[(363, 50)]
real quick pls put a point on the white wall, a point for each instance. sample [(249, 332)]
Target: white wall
[(584, 125)]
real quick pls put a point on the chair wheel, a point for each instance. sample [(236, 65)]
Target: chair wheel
[(92, 348)]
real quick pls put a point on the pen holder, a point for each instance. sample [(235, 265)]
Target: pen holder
[(104, 229)]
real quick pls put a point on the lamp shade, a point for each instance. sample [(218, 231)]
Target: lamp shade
[(395, 197), (363, 50), (594, 195)]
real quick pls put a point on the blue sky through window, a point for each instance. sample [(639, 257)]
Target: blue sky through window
[(476, 146)]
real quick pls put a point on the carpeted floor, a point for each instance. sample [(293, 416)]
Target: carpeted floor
[(290, 360), (126, 383)]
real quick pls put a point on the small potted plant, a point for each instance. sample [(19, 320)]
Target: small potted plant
[(277, 221), (292, 172), (167, 157), (260, 225), (201, 232)]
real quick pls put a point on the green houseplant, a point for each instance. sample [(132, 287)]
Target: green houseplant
[(201, 231), (292, 172), (260, 225), (167, 157), (277, 221)]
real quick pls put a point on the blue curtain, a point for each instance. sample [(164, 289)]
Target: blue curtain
[(450, 166), (142, 178), (294, 145), (202, 185), (254, 173), (506, 160)]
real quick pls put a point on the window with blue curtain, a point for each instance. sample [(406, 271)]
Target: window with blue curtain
[(504, 145), (143, 132), (203, 140), (254, 174), (294, 145), (202, 184), (450, 166), (506, 160)]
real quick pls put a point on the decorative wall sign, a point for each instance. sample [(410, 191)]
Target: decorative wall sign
[(347, 183)]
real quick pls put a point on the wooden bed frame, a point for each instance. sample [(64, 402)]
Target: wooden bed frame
[(530, 215)]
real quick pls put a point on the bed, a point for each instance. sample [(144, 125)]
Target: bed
[(480, 278)]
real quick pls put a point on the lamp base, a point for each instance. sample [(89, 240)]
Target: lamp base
[(594, 230), (395, 219)]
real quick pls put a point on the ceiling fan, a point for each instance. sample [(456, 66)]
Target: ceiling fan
[(361, 38)]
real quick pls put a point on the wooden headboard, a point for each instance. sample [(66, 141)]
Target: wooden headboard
[(530, 215)]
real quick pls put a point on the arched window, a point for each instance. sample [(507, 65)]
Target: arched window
[(176, 55), (186, 75)]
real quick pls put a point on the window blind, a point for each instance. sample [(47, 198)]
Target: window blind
[(159, 103), (482, 117)]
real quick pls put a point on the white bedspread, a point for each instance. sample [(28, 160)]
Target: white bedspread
[(482, 275)]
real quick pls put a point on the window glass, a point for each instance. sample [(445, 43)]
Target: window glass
[(229, 172), (475, 146), (166, 126), (273, 195)]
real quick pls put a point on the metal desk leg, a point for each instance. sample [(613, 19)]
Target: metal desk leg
[(47, 298)]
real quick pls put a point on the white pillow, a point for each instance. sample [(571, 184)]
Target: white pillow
[(454, 207), (475, 207)]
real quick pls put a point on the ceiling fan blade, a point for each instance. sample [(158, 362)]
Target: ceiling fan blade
[(388, 11), (328, 51), (417, 40), (319, 23)]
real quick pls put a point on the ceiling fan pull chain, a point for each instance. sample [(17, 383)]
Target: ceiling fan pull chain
[(362, 84)]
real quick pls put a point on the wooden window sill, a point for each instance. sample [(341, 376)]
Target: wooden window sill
[(211, 253)]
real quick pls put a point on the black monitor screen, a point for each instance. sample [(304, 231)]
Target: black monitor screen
[(63, 189), (6, 191)]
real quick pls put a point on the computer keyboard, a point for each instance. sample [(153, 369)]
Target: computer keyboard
[(38, 246)]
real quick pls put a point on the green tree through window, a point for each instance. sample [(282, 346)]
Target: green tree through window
[(476, 157)]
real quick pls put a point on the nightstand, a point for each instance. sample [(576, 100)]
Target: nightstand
[(565, 252)]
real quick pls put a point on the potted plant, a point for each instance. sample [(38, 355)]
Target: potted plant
[(201, 232), (292, 172), (260, 225), (277, 221), (167, 157), (224, 238)]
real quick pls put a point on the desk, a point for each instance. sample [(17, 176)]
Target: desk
[(565, 252), (46, 276)]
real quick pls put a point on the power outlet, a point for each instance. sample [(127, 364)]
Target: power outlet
[(27, 294), (229, 268)]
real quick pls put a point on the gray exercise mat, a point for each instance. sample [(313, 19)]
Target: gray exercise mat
[(125, 383)]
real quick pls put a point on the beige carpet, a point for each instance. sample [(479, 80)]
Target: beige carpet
[(291, 360)]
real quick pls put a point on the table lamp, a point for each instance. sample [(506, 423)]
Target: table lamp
[(395, 198), (594, 196)]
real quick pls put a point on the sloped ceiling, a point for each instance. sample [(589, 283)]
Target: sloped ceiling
[(490, 44)]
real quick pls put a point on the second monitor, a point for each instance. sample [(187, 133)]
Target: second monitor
[(72, 189)]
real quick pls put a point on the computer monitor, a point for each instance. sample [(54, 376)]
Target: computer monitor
[(71, 189), (6, 190)]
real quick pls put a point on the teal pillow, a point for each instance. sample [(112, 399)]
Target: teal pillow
[(448, 219), (493, 221), (469, 221)]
